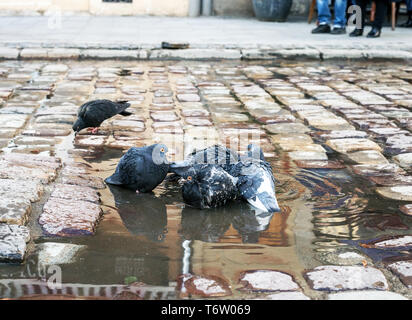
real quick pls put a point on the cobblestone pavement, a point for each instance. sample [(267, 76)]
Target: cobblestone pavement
[(338, 137), (140, 38)]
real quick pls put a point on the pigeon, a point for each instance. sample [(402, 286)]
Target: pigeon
[(141, 169), (207, 186), (218, 155), (255, 180), (93, 113)]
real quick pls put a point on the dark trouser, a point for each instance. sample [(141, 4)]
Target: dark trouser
[(379, 15)]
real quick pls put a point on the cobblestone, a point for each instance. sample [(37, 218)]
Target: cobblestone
[(329, 123)]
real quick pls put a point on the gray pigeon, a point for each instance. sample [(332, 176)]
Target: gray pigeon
[(93, 113), (141, 169), (255, 180), (207, 186)]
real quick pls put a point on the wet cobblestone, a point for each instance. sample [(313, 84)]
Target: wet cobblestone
[(320, 117)]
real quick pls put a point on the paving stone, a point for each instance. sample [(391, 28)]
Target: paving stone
[(204, 286), (366, 295), (188, 97), (65, 119), (46, 132), (54, 253), (7, 133), (167, 127), (65, 218), (340, 134), (232, 117), (203, 122), (14, 210), (316, 164), (196, 54), (406, 209), (390, 181), (13, 120), (288, 295), (84, 180), (348, 145), (74, 192), (33, 53), (307, 155), (267, 280), (166, 116), (109, 54), (391, 242), (287, 128), (367, 157), (404, 160), (337, 278), (89, 141), (195, 113), (55, 67), (9, 53), (400, 193), (403, 269), (9, 170), (377, 170), (13, 240)]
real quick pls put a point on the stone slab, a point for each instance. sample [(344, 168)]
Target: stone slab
[(66, 218), (338, 278)]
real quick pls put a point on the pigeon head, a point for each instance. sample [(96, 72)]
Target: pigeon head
[(191, 192), (79, 125), (254, 151), (159, 152)]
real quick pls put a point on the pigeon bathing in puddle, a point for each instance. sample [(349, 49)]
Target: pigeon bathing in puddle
[(218, 155), (93, 113), (141, 169), (255, 181), (207, 186)]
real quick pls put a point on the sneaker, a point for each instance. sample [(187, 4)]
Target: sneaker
[(407, 24), (322, 28), (338, 30), (356, 33)]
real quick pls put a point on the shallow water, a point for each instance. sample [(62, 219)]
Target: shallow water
[(153, 238)]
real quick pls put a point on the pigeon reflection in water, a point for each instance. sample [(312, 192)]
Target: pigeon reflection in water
[(142, 214), (210, 225)]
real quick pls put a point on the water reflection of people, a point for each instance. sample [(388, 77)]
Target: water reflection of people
[(142, 214), (211, 224)]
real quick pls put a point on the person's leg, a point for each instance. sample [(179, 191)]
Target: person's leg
[(408, 23), (380, 14), (340, 13), (359, 32), (324, 17), (379, 18)]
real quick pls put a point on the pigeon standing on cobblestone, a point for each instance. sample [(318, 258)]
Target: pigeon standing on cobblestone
[(141, 169), (93, 113), (207, 186)]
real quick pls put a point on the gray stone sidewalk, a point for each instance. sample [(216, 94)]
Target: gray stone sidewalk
[(131, 38)]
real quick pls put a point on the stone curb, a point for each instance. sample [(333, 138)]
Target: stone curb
[(42, 53)]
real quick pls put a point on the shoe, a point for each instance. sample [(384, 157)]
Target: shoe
[(374, 33), (356, 33), (322, 28), (338, 30), (407, 24)]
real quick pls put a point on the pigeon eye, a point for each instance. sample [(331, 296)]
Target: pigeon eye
[(162, 150), (189, 178)]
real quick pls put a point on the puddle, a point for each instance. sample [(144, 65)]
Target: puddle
[(154, 238)]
